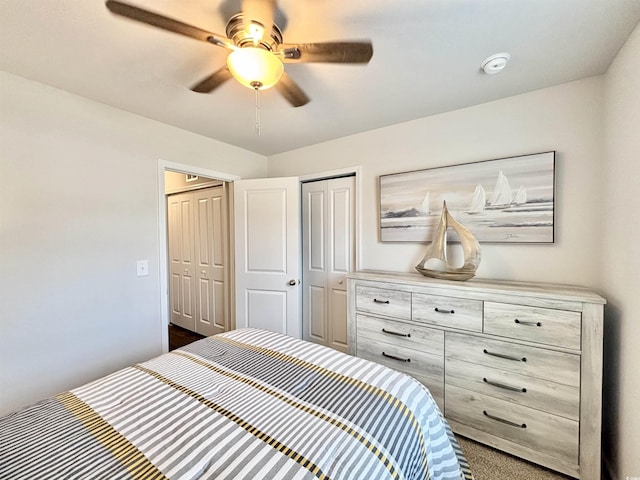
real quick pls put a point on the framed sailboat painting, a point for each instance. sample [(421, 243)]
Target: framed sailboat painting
[(508, 200)]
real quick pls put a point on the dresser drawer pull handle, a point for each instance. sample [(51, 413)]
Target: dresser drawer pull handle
[(507, 357), (407, 360), (408, 335), (523, 322), (381, 301), (440, 310), (513, 424), (506, 387)]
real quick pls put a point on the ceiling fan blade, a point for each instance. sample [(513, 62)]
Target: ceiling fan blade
[(166, 23), (261, 11), (213, 81), (291, 91), (327, 52)]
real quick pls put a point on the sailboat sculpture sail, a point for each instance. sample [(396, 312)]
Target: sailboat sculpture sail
[(438, 251)]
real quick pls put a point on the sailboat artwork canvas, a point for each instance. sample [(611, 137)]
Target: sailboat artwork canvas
[(508, 200)]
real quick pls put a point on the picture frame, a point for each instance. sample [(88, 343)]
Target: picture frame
[(506, 200)]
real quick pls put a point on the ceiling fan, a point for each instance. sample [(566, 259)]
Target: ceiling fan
[(257, 49)]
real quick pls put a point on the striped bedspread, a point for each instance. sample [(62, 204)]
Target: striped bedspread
[(247, 404)]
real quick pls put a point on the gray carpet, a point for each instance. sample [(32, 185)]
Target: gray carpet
[(490, 464)]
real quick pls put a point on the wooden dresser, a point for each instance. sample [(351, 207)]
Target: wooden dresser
[(517, 366)]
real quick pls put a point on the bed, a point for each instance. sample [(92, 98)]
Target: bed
[(246, 404)]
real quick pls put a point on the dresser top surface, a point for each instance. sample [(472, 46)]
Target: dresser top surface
[(548, 290)]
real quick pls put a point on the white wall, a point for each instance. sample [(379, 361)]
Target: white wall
[(78, 207), (566, 118), (621, 261)]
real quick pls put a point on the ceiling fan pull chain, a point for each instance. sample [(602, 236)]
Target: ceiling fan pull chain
[(257, 111)]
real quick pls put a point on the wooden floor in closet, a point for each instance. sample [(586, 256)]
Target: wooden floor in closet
[(179, 337)]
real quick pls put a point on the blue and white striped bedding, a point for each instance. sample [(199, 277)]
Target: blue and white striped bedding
[(247, 404)]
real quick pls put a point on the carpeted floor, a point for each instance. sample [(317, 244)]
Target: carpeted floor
[(490, 464)]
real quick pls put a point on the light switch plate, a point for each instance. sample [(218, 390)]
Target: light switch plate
[(142, 268)]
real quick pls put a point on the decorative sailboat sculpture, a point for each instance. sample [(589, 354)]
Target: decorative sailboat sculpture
[(437, 251)]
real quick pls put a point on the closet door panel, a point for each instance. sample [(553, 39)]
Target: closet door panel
[(175, 297), (198, 249), (340, 226), (328, 255), (181, 265), (337, 323), (220, 255), (211, 230), (314, 220), (220, 319), (317, 313), (341, 253), (204, 305)]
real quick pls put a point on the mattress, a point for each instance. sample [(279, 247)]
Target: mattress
[(246, 404)]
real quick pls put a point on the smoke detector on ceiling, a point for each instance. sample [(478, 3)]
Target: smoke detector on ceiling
[(495, 63)]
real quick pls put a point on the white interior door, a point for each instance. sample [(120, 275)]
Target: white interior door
[(181, 260), (328, 239), (267, 249), (211, 232)]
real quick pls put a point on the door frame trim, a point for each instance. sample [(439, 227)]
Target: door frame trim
[(163, 252)]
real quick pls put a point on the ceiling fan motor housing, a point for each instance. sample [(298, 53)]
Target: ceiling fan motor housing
[(236, 31)]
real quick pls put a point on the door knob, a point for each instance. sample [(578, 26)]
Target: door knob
[(293, 282)]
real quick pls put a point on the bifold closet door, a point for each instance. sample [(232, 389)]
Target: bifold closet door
[(198, 257), (328, 249), (181, 260), (210, 222)]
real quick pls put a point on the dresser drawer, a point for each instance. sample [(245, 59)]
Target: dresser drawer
[(427, 368), (531, 392), (538, 362), (540, 431), (382, 301), (540, 325), (403, 335), (447, 311)]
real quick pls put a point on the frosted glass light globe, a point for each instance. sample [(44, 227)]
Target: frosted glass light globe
[(255, 68)]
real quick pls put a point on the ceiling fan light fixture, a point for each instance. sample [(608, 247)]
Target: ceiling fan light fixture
[(255, 68)]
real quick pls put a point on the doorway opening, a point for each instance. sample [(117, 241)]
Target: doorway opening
[(165, 166)]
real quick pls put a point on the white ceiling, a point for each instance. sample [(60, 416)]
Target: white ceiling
[(427, 56)]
